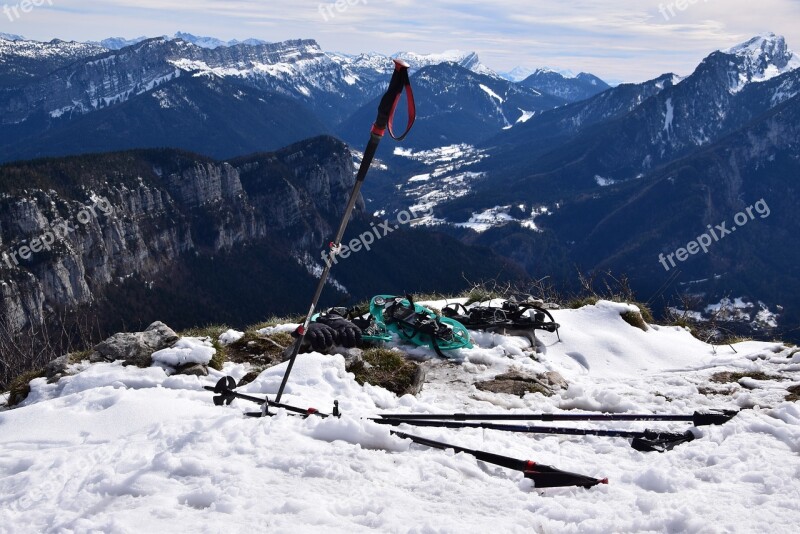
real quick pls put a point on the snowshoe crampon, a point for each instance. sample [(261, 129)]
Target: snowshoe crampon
[(419, 325), (511, 317)]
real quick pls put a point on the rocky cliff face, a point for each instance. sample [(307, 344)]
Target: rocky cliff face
[(90, 221)]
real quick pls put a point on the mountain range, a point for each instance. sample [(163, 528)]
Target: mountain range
[(58, 98), (551, 170)]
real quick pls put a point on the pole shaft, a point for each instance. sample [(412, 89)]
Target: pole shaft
[(536, 417), (369, 155), (518, 428), (386, 109)]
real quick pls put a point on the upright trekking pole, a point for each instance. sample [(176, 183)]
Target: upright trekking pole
[(386, 110)]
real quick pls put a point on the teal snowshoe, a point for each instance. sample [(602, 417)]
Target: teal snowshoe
[(419, 325)]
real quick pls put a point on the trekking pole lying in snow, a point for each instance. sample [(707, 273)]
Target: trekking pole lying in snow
[(646, 441), (384, 121), (543, 476), (715, 417)]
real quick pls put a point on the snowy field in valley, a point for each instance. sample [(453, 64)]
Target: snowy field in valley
[(114, 449)]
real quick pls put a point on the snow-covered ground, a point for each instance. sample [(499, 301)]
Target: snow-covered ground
[(115, 449)]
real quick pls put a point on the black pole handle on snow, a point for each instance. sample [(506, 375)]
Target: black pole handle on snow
[(386, 110), (225, 387)]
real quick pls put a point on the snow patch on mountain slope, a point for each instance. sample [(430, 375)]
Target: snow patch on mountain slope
[(491, 93), (315, 269), (604, 182), (493, 217), (118, 449), (500, 216), (669, 116), (497, 101), (525, 117)]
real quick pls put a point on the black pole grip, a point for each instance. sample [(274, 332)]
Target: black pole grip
[(399, 82)]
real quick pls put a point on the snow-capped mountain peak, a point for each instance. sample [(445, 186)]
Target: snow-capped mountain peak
[(11, 37), (117, 43), (468, 60), (517, 74), (761, 58), (213, 42), (568, 74)]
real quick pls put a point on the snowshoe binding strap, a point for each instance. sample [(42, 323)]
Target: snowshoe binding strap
[(371, 329)]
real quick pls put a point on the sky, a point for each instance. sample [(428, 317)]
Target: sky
[(618, 40)]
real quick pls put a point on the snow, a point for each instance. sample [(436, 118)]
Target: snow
[(517, 74), (525, 117), (669, 116), (763, 57), (491, 93), (445, 178), (564, 73), (188, 350), (500, 216), (480, 222), (40, 51), (230, 337), (468, 60), (316, 269), (604, 182), (117, 449)]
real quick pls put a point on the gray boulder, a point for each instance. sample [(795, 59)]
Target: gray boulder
[(57, 368), (193, 369), (135, 348)]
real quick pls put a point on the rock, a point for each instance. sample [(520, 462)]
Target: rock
[(419, 380), (554, 379), (135, 348), (208, 208), (517, 384), (194, 369), (57, 368), (352, 357)]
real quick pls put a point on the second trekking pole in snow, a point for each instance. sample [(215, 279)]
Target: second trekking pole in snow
[(386, 110)]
